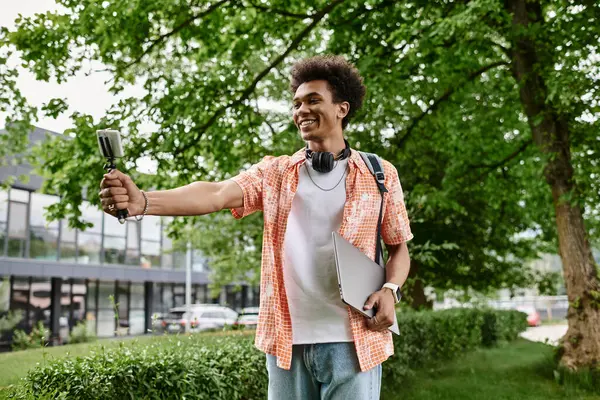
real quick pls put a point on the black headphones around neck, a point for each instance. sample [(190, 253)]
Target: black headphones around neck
[(324, 161)]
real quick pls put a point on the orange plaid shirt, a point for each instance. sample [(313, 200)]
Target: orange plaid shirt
[(269, 186)]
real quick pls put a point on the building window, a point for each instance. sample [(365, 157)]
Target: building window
[(17, 224), (43, 243), (178, 295), (151, 236), (88, 248), (106, 311), (78, 303), (132, 257), (92, 214), (89, 242), (68, 240), (3, 218), (201, 294), (91, 303), (20, 299), (43, 234), (167, 297), (114, 250), (150, 254), (136, 309), (123, 308), (198, 261), (167, 245)]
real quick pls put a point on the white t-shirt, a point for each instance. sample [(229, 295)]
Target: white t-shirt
[(318, 314)]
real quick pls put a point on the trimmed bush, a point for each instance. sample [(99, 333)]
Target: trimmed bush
[(229, 367), (38, 337), (81, 334)]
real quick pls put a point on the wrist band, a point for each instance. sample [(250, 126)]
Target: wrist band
[(145, 207)]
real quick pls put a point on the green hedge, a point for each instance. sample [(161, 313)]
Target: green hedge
[(229, 367)]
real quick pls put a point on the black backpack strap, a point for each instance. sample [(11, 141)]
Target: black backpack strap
[(375, 166)]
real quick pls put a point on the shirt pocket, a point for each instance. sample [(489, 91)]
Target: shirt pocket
[(369, 203)]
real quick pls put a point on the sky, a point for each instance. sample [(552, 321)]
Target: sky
[(86, 94)]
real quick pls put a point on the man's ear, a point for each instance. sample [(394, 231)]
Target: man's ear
[(343, 109)]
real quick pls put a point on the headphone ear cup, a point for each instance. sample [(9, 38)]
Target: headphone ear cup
[(316, 161), (323, 161)]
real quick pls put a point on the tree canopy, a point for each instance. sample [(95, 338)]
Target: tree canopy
[(442, 105)]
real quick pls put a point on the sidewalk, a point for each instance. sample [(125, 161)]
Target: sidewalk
[(551, 333)]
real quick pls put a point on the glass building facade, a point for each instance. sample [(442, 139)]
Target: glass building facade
[(114, 278)]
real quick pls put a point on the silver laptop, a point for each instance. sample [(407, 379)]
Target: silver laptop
[(358, 277)]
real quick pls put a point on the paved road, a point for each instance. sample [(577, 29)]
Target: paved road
[(546, 332)]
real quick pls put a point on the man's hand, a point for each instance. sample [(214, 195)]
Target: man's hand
[(383, 301), (118, 192)]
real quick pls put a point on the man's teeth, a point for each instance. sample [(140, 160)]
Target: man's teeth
[(306, 123)]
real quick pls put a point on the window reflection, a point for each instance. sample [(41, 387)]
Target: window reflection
[(167, 297), (20, 300), (113, 227), (17, 228), (78, 303), (201, 292), (167, 255), (92, 214), (136, 314), (90, 316), (178, 260), (19, 195), (122, 305), (150, 254), (198, 261), (39, 203), (68, 238), (133, 243), (106, 313), (43, 243), (3, 216), (65, 310), (151, 228), (89, 248), (114, 250), (3, 205)]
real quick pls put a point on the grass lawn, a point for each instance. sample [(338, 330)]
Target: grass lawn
[(514, 371)]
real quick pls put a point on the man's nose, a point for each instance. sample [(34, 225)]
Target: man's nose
[(303, 109)]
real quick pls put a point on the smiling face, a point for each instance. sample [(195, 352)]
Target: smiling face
[(315, 114)]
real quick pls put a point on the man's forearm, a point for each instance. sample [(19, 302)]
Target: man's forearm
[(197, 198), (398, 264)]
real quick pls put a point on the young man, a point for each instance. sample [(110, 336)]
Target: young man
[(317, 347)]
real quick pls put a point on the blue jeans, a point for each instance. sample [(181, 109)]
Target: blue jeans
[(327, 371)]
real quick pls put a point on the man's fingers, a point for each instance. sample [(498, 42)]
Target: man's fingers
[(371, 302), (110, 182), (112, 191)]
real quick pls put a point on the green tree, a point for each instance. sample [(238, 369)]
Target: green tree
[(482, 105)]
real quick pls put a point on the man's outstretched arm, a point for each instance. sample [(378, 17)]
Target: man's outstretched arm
[(119, 192)]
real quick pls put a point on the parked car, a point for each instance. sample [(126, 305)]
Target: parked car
[(533, 317), (248, 318), (203, 317)]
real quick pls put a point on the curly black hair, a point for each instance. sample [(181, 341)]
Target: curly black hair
[(344, 80)]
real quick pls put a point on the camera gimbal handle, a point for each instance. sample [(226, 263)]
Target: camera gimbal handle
[(109, 166)]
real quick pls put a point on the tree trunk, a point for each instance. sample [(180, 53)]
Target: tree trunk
[(416, 289), (581, 344)]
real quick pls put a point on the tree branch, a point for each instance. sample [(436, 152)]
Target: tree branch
[(400, 142), (248, 91), (280, 12), (505, 160), (175, 30)]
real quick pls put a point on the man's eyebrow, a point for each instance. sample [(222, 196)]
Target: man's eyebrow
[(308, 95)]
